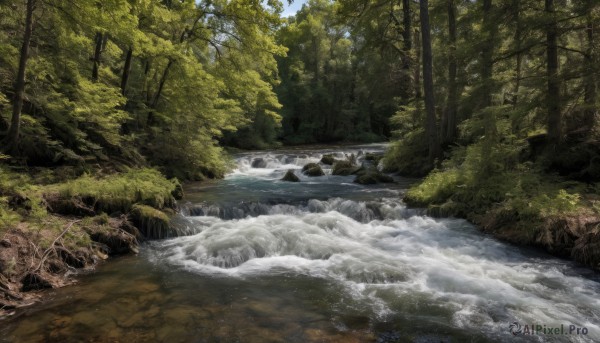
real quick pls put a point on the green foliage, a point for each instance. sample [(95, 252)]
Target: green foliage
[(8, 217), (437, 187), (153, 223), (119, 192), (408, 156), (197, 70), (523, 191), (328, 90)]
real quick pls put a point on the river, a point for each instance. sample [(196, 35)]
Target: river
[(321, 260)]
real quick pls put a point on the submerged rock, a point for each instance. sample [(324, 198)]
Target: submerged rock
[(259, 163), (290, 176), (312, 169)]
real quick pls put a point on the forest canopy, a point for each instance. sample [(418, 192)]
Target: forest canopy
[(169, 83)]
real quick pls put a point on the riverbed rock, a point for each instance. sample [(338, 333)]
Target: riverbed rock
[(259, 163), (328, 159), (290, 176), (312, 169), (371, 177), (152, 223), (343, 168)]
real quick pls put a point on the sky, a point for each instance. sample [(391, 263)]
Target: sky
[(293, 8)]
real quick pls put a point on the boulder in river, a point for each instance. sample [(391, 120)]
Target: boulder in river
[(328, 159), (370, 177), (343, 168), (290, 176), (312, 169), (259, 163)]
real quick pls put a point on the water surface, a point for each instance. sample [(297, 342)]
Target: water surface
[(322, 260)]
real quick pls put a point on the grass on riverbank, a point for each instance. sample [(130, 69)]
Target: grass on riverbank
[(48, 225), (521, 204)]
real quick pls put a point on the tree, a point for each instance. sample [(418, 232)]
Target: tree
[(553, 95), (12, 137), (431, 126), (449, 126)]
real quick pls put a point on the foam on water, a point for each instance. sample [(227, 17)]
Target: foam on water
[(481, 282), (392, 261)]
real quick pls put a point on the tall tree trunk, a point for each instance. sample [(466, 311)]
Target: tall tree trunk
[(431, 126), (161, 85), (12, 137), (126, 70), (146, 86), (417, 78), (450, 127), (406, 48), (487, 54), (553, 95), (487, 68), (591, 110), (519, 56), (99, 41)]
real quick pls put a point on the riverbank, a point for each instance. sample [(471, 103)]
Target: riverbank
[(523, 206), (56, 223)]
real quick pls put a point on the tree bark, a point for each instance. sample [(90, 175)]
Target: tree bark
[(126, 70), (417, 81), (591, 110), (431, 126), (12, 137), (553, 95), (406, 48), (161, 85), (487, 67), (99, 41), (519, 57), (487, 64), (450, 129)]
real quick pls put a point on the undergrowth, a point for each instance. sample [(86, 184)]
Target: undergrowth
[(120, 191), (519, 195)]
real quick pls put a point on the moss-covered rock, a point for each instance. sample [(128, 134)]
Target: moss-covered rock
[(372, 177), (177, 192), (116, 193), (328, 159), (343, 168), (373, 157), (290, 176), (312, 169), (152, 223)]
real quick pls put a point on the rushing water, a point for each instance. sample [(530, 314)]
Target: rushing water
[(322, 260)]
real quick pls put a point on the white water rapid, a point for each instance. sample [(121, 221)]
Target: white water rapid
[(393, 263)]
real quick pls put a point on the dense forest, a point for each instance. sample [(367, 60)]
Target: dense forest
[(144, 78), (133, 80), (168, 82)]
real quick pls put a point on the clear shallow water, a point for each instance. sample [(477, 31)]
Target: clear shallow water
[(323, 260)]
